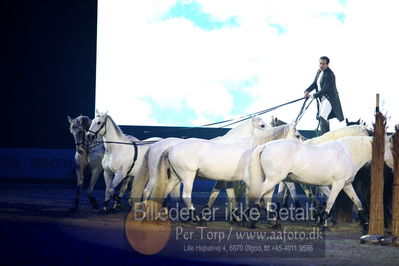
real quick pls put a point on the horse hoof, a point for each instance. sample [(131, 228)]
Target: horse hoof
[(105, 210), (205, 209), (251, 224), (102, 211), (118, 207), (242, 223), (234, 221), (325, 228), (94, 203), (365, 228), (131, 202), (276, 226), (202, 222)]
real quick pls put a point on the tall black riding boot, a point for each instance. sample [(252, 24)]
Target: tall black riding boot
[(324, 125)]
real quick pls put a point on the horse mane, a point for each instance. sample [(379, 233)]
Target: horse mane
[(276, 122), (240, 130), (355, 130), (278, 131), (118, 129), (358, 150)]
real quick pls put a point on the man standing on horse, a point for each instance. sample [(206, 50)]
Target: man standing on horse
[(326, 92)]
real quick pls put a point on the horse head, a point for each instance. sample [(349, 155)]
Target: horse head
[(358, 122), (98, 126), (276, 122), (258, 123), (293, 133), (78, 127)]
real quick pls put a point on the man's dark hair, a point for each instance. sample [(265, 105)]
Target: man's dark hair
[(325, 58)]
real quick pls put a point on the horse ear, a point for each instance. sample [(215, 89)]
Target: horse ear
[(358, 121), (69, 119), (106, 113), (97, 113), (346, 120)]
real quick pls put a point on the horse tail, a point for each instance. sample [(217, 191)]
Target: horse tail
[(140, 180), (256, 173), (159, 188)]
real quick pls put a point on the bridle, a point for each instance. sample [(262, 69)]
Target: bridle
[(80, 136), (103, 125)]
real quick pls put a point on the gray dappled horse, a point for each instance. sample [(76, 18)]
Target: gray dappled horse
[(87, 154)]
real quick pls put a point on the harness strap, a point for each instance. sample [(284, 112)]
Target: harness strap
[(134, 158), (125, 143)]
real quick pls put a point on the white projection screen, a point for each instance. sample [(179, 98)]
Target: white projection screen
[(193, 62)]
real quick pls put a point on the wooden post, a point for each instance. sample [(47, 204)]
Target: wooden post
[(395, 196), (377, 175)]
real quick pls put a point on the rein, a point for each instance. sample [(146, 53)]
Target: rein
[(240, 119), (303, 110)]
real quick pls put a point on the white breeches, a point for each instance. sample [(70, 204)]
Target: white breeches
[(325, 108)]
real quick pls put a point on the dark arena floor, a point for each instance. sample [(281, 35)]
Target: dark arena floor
[(37, 229)]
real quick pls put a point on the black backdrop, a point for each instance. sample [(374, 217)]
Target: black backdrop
[(48, 63), (48, 71)]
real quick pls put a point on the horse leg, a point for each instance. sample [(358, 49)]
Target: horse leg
[(266, 194), (215, 193), (247, 199), (311, 196), (171, 187), (291, 188), (125, 185), (350, 191), (108, 180), (271, 209), (139, 182), (239, 190), (81, 164), (95, 173), (280, 196), (118, 178), (188, 182), (232, 203), (118, 204), (335, 189), (308, 192)]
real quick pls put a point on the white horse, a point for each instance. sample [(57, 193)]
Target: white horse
[(123, 153), (352, 130), (334, 163), (149, 170), (87, 154), (213, 160)]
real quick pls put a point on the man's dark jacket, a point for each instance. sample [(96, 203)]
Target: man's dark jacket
[(329, 90)]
